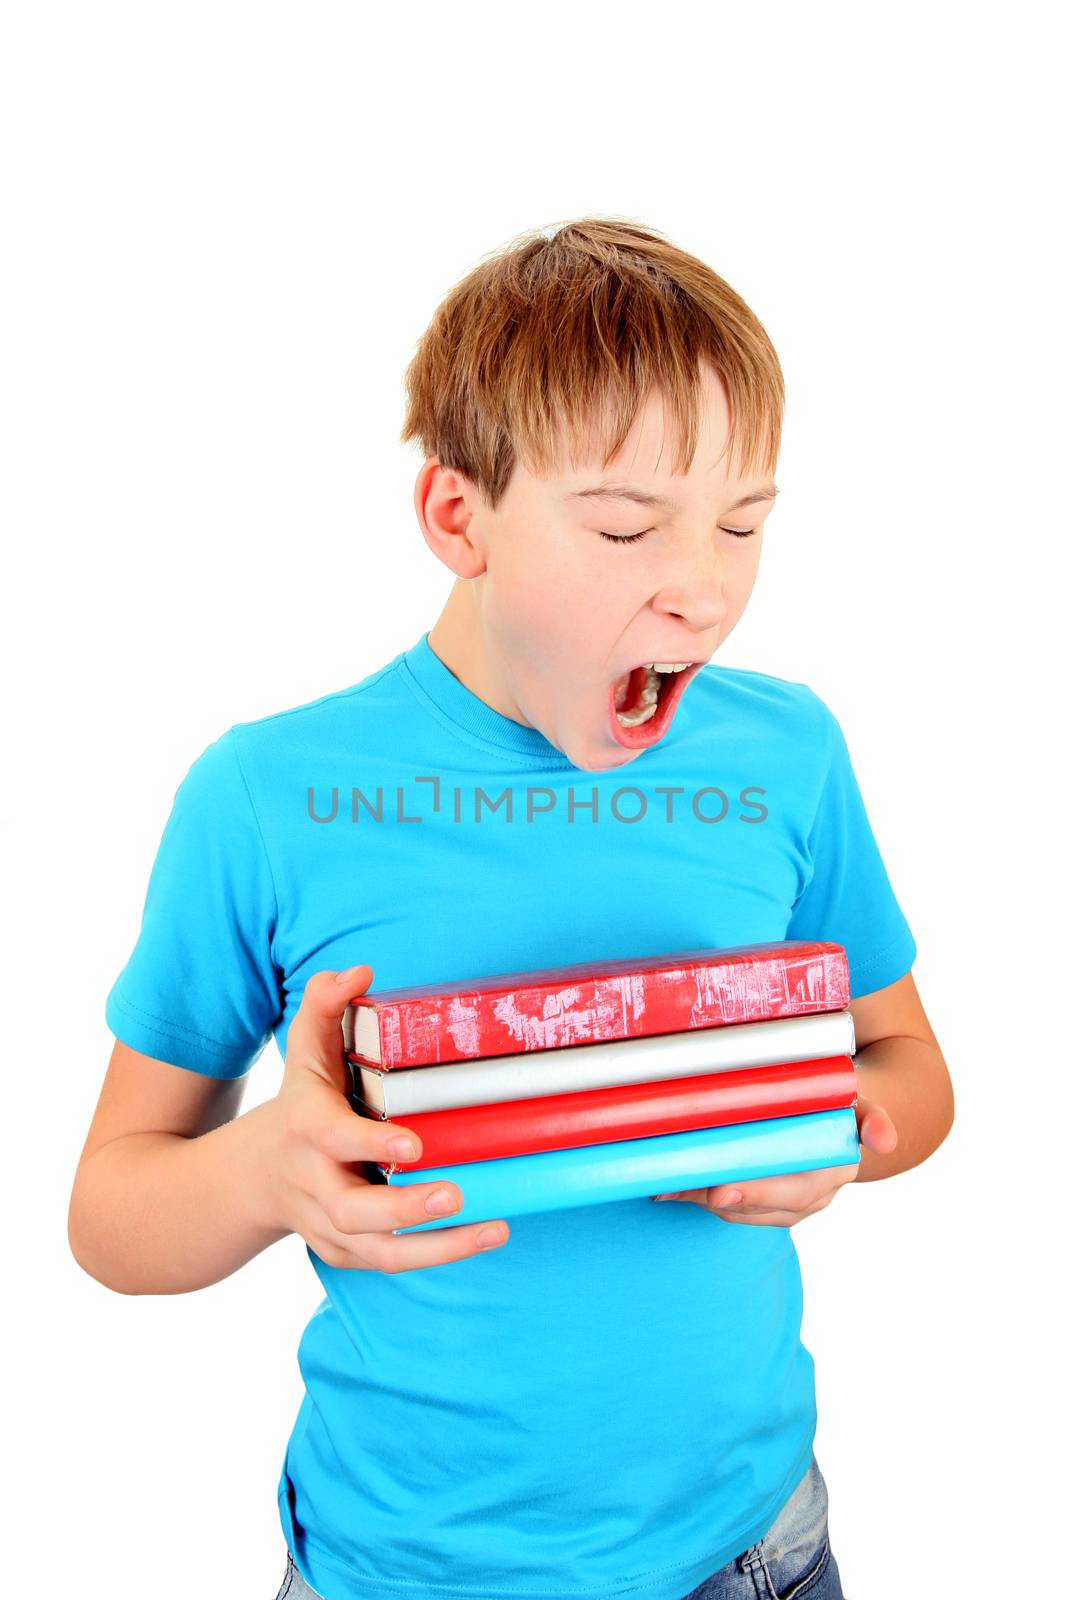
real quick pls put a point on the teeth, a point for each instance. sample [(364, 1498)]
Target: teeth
[(635, 718), (646, 705)]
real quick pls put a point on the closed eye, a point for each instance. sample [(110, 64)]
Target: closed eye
[(632, 538)]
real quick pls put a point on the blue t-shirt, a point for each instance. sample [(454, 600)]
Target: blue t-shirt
[(617, 1400)]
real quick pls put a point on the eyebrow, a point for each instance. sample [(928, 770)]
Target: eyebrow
[(642, 497)]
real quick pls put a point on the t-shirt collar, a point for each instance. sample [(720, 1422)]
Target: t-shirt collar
[(462, 707)]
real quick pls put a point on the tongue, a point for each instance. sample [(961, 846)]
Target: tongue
[(628, 689)]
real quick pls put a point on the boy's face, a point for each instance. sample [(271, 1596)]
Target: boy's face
[(550, 618)]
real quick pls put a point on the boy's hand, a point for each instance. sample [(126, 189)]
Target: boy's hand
[(781, 1202), (316, 1146)]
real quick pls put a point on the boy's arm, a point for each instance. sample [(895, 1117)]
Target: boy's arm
[(170, 1196), (904, 1106), (167, 1196), (900, 1068)]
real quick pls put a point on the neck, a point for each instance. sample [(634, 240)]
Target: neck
[(458, 638), (456, 635)]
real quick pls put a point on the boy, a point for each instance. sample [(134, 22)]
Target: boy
[(608, 1401)]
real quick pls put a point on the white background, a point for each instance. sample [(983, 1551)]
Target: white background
[(225, 227)]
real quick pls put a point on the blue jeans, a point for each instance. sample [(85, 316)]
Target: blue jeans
[(793, 1560), (293, 1586)]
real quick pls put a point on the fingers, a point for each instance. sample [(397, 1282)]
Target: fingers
[(381, 1207), (771, 1202), (315, 1038), (360, 1217), (772, 1216), (875, 1127), (770, 1219), (327, 993), (346, 1136), (382, 1252), (346, 1219), (794, 1192), (343, 1217)]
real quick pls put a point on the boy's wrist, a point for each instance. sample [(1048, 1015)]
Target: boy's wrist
[(257, 1155)]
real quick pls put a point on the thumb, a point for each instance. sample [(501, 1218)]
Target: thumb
[(315, 1039), (875, 1126)]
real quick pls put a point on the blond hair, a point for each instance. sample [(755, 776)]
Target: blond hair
[(552, 343)]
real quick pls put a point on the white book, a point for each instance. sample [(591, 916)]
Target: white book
[(442, 1087)]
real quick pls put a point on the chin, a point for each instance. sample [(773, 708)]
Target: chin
[(600, 760)]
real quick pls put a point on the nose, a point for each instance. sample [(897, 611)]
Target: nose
[(695, 593)]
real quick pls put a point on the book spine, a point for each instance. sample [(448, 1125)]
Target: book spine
[(556, 1179), (427, 1029), (639, 1060), (631, 1111)]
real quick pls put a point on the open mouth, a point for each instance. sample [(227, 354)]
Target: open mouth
[(646, 701)]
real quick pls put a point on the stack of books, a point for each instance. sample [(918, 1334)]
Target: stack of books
[(611, 1080)]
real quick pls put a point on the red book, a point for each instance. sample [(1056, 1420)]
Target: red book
[(628, 1111), (595, 1001)]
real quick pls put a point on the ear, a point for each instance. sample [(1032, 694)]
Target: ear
[(445, 504)]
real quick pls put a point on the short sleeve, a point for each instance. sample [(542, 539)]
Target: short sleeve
[(200, 988), (848, 897)]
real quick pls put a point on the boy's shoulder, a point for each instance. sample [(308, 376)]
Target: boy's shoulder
[(375, 700), (324, 707), (784, 704), (280, 738)]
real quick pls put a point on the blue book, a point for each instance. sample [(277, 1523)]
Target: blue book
[(551, 1180)]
